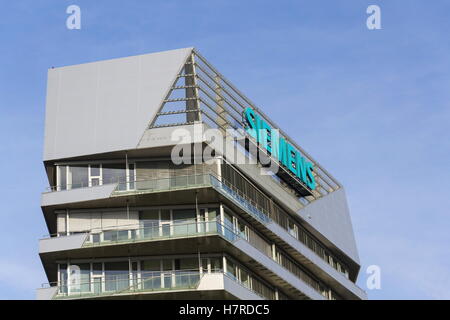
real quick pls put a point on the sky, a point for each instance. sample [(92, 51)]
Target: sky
[(371, 106)]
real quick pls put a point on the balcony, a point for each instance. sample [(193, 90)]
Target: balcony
[(242, 245), (185, 282), (136, 234)]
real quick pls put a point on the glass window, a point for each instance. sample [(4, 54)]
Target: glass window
[(228, 226), (184, 216), (151, 265), (115, 173), (95, 182), (245, 279), (212, 214), (149, 216), (95, 170), (185, 222), (292, 228), (97, 269), (131, 177), (62, 172), (205, 265), (80, 277), (110, 235), (212, 219), (116, 275), (80, 176), (96, 237), (242, 230), (231, 269), (167, 265), (165, 215), (151, 274), (216, 264), (189, 264), (63, 278), (149, 220)]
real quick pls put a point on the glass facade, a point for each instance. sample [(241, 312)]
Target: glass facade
[(191, 220), (96, 278), (233, 179), (166, 222), (75, 176)]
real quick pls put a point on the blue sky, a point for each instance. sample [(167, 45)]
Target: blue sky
[(373, 107)]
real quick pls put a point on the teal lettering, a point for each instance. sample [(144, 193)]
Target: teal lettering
[(282, 152), (266, 136), (292, 158), (279, 148), (301, 167), (250, 118), (311, 181)]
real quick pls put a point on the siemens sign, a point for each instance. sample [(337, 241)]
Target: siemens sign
[(280, 149)]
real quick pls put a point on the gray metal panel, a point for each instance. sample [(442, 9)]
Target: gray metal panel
[(281, 272), (330, 216), (46, 293), (107, 105), (62, 243), (219, 281), (77, 195), (239, 291), (162, 137), (322, 267)]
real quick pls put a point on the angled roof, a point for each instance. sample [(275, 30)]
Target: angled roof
[(106, 106)]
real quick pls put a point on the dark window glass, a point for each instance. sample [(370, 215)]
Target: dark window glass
[(114, 173), (80, 176)]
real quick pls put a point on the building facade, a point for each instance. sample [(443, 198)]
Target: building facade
[(167, 182)]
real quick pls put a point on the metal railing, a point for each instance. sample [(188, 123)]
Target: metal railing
[(146, 282), (143, 282), (180, 230), (159, 231), (135, 186), (164, 184), (137, 233)]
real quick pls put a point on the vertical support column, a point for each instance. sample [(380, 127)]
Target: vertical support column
[(68, 178), (274, 252), (224, 262), (68, 277), (222, 219), (67, 222), (192, 95), (220, 109)]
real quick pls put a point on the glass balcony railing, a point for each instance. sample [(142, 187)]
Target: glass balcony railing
[(165, 184), (146, 282), (178, 230), (185, 230), (240, 199), (124, 283), (180, 183), (160, 231)]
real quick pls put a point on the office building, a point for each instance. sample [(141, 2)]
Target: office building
[(144, 204)]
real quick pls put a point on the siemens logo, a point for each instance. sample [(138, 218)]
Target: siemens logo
[(280, 149)]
